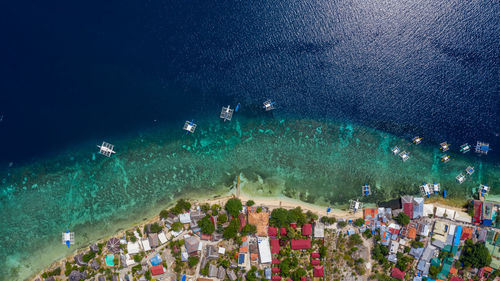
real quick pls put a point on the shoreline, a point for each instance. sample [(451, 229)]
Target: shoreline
[(272, 202)]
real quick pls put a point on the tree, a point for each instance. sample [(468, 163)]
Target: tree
[(296, 216), (193, 261), (221, 219), (279, 217), (156, 228), (177, 226), (205, 208), (285, 267), (250, 203), (232, 229), (434, 271), (298, 273), (475, 255), (311, 216), (402, 219), (342, 224), (147, 275), (206, 225), (164, 214), (248, 229), (359, 222), (403, 262), (355, 239), (233, 206)]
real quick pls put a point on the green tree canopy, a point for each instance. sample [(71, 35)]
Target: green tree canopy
[(222, 218), (248, 229), (193, 261), (177, 226), (279, 217), (232, 229), (359, 222), (155, 228), (475, 255), (206, 225), (402, 219), (233, 206), (250, 203)]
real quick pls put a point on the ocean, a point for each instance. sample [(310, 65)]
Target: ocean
[(350, 79)]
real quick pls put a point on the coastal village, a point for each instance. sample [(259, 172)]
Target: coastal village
[(403, 239)]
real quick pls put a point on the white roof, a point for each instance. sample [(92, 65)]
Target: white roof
[(451, 230), (450, 214), (162, 237), (200, 246), (145, 245), (137, 235), (394, 247), (394, 226), (319, 230), (185, 218), (133, 248), (264, 250), (123, 241), (440, 212), (428, 210), (462, 217), (222, 251), (176, 233), (128, 260)]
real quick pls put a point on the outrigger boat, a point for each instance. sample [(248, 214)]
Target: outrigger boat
[(445, 158), (425, 190), (464, 148), (355, 205), (470, 170), (395, 150), (444, 146), (482, 147), (404, 156), (189, 126), (68, 238), (460, 178), (269, 105), (226, 113), (366, 190), (417, 140), (484, 189), (436, 187), (106, 149)]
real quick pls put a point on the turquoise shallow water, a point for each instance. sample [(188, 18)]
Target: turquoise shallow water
[(314, 161)]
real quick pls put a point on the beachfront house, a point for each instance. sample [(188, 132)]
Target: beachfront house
[(264, 250), (418, 207), (145, 245), (153, 240), (185, 218), (319, 230), (162, 238)]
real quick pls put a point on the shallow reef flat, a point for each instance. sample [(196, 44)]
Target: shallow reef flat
[(317, 162)]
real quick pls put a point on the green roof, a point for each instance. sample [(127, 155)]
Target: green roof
[(447, 248), (435, 262)]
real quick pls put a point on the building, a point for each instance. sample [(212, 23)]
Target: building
[(221, 274), (185, 218), (162, 238), (272, 231), (275, 246), (319, 230), (264, 250), (393, 249), (126, 260), (398, 274), (301, 244), (192, 244), (407, 202), (418, 207), (318, 271), (306, 229), (440, 234), (145, 245), (212, 270), (153, 240), (157, 269)]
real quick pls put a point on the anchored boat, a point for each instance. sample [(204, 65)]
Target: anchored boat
[(436, 187), (366, 190), (425, 190)]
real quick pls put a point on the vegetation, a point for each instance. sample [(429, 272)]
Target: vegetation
[(475, 255), (250, 203), (248, 229), (147, 275), (233, 206), (231, 230), (359, 222), (180, 207), (402, 219), (206, 225), (281, 217), (221, 219), (328, 220), (55, 272), (88, 256), (403, 261), (193, 261), (341, 224), (417, 244), (205, 207), (155, 228), (177, 226), (434, 271), (164, 214), (354, 240), (379, 252)]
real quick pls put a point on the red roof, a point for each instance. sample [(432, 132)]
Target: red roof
[(293, 225), (206, 236), (408, 209), (306, 229), (315, 255), (283, 230), (243, 221), (301, 244), (398, 274), (477, 211), (315, 262), (276, 261), (272, 231), (275, 246), (318, 271), (276, 270), (276, 278), (303, 278), (466, 233), (212, 220), (157, 269), (455, 278)]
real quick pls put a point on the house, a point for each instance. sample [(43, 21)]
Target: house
[(276, 261), (260, 220), (95, 265), (423, 229), (94, 248), (145, 245), (76, 275), (222, 251), (301, 244), (126, 260), (185, 218), (398, 274), (276, 278), (196, 215), (192, 244), (212, 253), (424, 266), (153, 240), (162, 238), (412, 233), (416, 252), (157, 269), (440, 234), (318, 271), (428, 210), (418, 207), (212, 270), (264, 250), (306, 229), (232, 276), (243, 221), (133, 247), (315, 262), (267, 273), (221, 274), (79, 261), (272, 231), (393, 249), (407, 202), (283, 231), (276, 270), (315, 255), (392, 258)]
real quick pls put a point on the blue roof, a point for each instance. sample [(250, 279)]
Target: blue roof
[(487, 222), (485, 148), (183, 277), (458, 233), (156, 260), (241, 258)]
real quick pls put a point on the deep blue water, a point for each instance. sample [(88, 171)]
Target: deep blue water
[(71, 72)]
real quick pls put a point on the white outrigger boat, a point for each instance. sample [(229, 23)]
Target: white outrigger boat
[(226, 113), (484, 189), (445, 158), (436, 187), (460, 178), (269, 105), (395, 150), (425, 189), (189, 126), (444, 146), (106, 149), (417, 140), (404, 156), (470, 170)]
